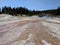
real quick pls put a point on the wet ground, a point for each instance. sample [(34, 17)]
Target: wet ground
[(16, 31)]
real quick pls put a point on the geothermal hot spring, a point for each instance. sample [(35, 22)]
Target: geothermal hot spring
[(17, 30)]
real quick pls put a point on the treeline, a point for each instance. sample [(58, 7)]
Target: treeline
[(22, 10)]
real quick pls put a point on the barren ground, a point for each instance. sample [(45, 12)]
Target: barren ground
[(26, 31)]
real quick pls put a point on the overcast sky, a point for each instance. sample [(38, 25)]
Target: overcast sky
[(31, 4)]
